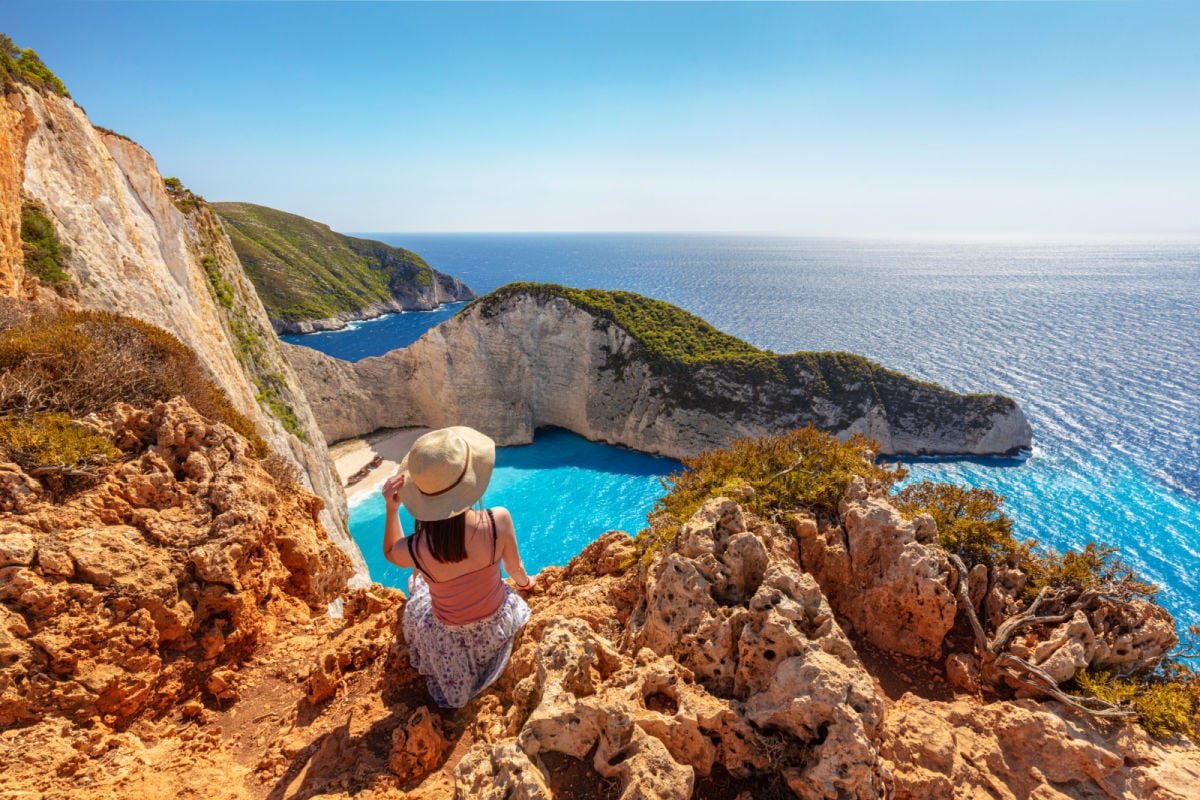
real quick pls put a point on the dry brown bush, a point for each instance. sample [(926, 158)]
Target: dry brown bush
[(80, 362)]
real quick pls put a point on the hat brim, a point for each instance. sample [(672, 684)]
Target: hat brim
[(465, 494)]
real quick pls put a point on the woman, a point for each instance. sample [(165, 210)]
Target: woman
[(460, 617)]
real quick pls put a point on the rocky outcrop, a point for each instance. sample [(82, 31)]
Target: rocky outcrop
[(721, 657), (526, 358), (946, 750), (711, 666), (143, 590), (882, 572), (133, 246)]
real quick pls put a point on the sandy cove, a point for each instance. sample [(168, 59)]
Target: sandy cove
[(351, 455)]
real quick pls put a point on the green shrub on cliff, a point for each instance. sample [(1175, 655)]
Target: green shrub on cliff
[(802, 470), (52, 440), (25, 66), (43, 251), (1167, 700), (970, 522), (81, 362), (222, 289), (1080, 570)]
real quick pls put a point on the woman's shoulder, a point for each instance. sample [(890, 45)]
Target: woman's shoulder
[(504, 522)]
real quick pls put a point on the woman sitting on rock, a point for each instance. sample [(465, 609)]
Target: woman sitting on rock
[(460, 618)]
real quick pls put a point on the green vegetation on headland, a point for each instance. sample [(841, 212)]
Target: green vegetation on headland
[(304, 271), (668, 333), (809, 472), (677, 345), (24, 66)]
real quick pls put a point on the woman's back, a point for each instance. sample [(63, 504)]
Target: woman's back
[(470, 589), (460, 618)]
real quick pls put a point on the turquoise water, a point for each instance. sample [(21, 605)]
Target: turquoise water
[(562, 491), (1099, 342)]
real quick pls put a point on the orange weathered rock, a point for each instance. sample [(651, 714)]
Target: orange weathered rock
[(130, 595), (158, 638), (883, 572), (16, 126), (945, 750)]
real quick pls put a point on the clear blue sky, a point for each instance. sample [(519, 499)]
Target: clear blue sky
[(944, 118)]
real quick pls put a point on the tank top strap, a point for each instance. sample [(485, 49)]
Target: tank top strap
[(492, 520), (412, 553)]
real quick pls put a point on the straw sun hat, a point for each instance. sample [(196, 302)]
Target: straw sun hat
[(446, 472)]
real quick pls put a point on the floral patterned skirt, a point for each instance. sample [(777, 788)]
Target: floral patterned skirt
[(459, 661)]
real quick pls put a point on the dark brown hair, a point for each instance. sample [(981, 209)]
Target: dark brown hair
[(445, 538)]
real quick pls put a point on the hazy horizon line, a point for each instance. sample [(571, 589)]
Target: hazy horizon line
[(1173, 237)]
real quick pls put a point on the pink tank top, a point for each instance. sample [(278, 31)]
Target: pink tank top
[(469, 597)]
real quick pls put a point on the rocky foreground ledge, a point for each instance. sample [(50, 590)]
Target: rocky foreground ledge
[(162, 633), (620, 368)]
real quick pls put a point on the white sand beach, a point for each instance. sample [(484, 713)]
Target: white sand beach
[(351, 455)]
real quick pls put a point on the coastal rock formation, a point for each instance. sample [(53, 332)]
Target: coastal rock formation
[(311, 278), (648, 376), (157, 638), (139, 592), (882, 572), (153, 251), (946, 750)]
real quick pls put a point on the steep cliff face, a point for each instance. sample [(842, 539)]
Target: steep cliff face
[(522, 359), (132, 246), (311, 278), (16, 125)]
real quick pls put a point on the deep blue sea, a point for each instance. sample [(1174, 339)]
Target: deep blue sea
[(1099, 342), (372, 337)]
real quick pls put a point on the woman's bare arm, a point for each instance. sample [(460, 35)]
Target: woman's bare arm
[(393, 533), (510, 553)]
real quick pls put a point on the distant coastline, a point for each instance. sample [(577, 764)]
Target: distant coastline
[(371, 313)]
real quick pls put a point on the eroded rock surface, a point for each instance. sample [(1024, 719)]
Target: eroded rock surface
[(148, 587), (882, 572), (712, 667), (731, 662), (939, 751)]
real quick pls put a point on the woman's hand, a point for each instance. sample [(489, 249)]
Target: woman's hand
[(528, 587), (391, 491)]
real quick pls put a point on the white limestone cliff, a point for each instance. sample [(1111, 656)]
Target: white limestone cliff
[(530, 360), (132, 248)]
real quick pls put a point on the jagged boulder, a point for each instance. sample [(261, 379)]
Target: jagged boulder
[(731, 659), (188, 547), (882, 572)]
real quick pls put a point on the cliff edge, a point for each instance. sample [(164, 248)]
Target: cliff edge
[(620, 368), (158, 638)]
